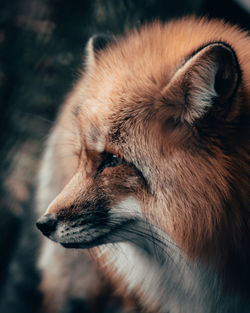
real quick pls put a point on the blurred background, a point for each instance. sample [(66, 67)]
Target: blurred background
[(41, 52)]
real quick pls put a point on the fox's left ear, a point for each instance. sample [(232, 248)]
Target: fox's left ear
[(94, 45), (209, 77)]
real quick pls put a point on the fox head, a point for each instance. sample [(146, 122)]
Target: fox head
[(160, 133)]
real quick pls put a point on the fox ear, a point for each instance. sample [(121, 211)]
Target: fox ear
[(208, 78), (94, 45)]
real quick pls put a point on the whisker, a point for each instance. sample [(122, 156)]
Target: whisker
[(146, 233)]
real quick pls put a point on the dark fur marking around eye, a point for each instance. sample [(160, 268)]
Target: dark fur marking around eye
[(115, 132), (118, 131)]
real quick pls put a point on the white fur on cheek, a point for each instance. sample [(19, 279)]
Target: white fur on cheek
[(129, 261), (128, 207), (148, 261)]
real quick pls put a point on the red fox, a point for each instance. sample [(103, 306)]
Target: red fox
[(148, 166)]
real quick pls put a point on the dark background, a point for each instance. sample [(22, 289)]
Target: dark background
[(41, 51)]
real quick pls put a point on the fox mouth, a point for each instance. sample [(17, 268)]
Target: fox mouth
[(85, 245), (107, 236), (95, 228)]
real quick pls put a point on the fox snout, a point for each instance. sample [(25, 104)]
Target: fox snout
[(47, 224), (92, 210)]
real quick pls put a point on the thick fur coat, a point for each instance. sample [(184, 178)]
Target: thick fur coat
[(148, 165)]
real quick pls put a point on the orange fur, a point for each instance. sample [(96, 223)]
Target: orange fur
[(196, 191)]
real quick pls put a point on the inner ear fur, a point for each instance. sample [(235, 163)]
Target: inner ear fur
[(209, 77)]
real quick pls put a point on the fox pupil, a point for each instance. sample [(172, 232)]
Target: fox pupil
[(109, 160), (112, 160)]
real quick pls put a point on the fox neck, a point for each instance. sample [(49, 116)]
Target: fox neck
[(157, 271)]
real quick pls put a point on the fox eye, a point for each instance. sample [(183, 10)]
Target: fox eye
[(109, 160), (112, 160)]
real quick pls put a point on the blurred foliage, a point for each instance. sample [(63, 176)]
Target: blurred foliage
[(41, 51)]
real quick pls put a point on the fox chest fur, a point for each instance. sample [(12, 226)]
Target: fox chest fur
[(156, 181)]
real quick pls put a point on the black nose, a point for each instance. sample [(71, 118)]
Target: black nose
[(47, 224)]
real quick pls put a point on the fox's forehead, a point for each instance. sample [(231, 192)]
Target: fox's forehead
[(92, 126), (100, 130), (127, 78), (131, 74), (116, 97)]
